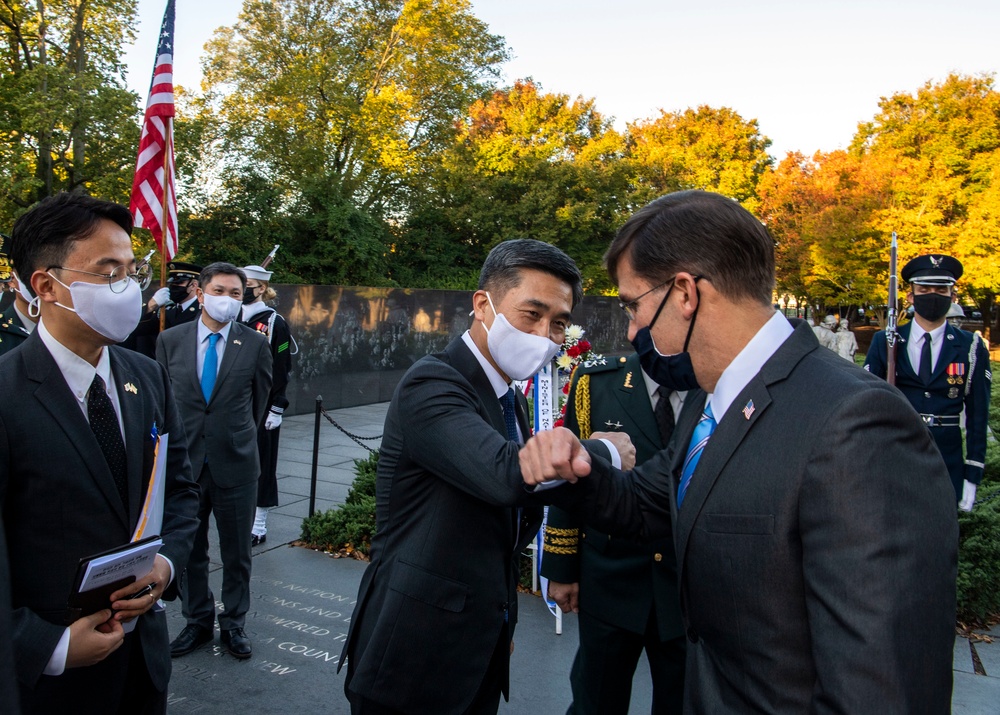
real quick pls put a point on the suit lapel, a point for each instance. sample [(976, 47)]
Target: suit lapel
[(733, 429), (54, 395), (903, 353), (635, 401), (131, 401), (951, 351), (233, 347), (462, 359)]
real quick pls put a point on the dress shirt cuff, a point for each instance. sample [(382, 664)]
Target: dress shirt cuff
[(171, 565), (57, 663), (616, 459)]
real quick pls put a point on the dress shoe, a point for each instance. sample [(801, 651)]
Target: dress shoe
[(237, 643), (257, 540), (190, 639)]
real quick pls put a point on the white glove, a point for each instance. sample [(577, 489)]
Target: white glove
[(968, 496), (161, 297), (273, 421)]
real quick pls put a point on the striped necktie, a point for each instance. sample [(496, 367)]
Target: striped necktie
[(702, 431)]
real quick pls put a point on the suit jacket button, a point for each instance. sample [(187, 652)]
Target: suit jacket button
[(927, 394), (657, 557), (692, 634)]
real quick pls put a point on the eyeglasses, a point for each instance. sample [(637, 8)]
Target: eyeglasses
[(118, 277), (633, 305)]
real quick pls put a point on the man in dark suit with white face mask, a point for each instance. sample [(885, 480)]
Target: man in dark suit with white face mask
[(221, 373), (432, 631)]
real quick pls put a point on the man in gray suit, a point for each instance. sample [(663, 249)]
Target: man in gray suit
[(816, 543), (221, 373)]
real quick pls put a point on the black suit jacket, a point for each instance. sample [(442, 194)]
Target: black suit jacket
[(440, 593), (60, 502), (817, 544)]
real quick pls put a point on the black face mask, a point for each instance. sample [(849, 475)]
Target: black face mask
[(931, 306), (673, 372), (249, 296), (178, 294)]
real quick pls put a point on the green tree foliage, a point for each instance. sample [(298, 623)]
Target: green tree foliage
[(354, 94), (708, 148), (66, 119), (524, 164), (945, 144)]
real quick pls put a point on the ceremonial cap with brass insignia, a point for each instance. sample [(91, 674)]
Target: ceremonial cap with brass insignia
[(932, 270), (180, 271), (4, 261)]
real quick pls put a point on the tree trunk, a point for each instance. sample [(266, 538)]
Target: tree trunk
[(43, 170), (78, 131)]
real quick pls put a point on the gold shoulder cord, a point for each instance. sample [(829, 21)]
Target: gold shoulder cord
[(582, 404)]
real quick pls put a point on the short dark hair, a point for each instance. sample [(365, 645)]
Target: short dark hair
[(43, 236), (220, 268), (502, 268), (704, 233)]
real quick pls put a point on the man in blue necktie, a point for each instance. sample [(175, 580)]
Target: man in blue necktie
[(811, 534), (222, 397)]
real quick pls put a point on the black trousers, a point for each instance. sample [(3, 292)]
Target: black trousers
[(486, 701), (602, 672)]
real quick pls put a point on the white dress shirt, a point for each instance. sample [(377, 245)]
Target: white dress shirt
[(220, 344), (26, 322), (915, 345), (748, 363)]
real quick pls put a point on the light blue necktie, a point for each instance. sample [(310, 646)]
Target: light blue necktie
[(210, 370), (702, 431)]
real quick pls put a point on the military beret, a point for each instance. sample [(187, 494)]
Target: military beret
[(932, 270)]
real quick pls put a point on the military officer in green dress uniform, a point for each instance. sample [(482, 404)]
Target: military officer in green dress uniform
[(943, 371), (626, 593), (16, 323)]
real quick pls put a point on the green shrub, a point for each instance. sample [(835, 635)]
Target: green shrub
[(979, 534), (349, 528)]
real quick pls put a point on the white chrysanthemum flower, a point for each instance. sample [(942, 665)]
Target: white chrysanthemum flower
[(564, 362), (574, 333)]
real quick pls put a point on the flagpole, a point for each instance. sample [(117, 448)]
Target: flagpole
[(165, 222)]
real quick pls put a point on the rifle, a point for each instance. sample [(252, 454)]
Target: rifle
[(145, 259), (891, 334), (270, 256)]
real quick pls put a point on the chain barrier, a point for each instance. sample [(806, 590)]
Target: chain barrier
[(356, 438)]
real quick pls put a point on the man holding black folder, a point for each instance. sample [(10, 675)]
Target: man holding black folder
[(77, 443)]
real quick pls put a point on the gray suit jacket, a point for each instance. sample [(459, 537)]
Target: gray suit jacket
[(60, 504), (816, 546), (225, 429)]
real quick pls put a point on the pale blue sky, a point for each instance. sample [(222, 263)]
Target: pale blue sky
[(807, 71)]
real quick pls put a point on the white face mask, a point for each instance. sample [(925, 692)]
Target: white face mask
[(20, 289), (113, 315), (222, 308), (518, 354)]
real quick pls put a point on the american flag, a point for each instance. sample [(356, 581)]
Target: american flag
[(153, 185)]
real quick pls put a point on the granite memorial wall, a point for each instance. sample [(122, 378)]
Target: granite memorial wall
[(355, 343)]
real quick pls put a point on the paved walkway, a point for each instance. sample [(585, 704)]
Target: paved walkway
[(302, 603)]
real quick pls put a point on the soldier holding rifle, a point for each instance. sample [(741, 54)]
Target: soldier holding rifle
[(943, 371)]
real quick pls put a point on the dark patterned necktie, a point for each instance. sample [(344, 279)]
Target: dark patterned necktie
[(664, 414), (104, 423), (509, 416), (925, 360)]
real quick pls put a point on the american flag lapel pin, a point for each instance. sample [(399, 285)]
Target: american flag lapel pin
[(237, 342), (748, 409), (129, 387)]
